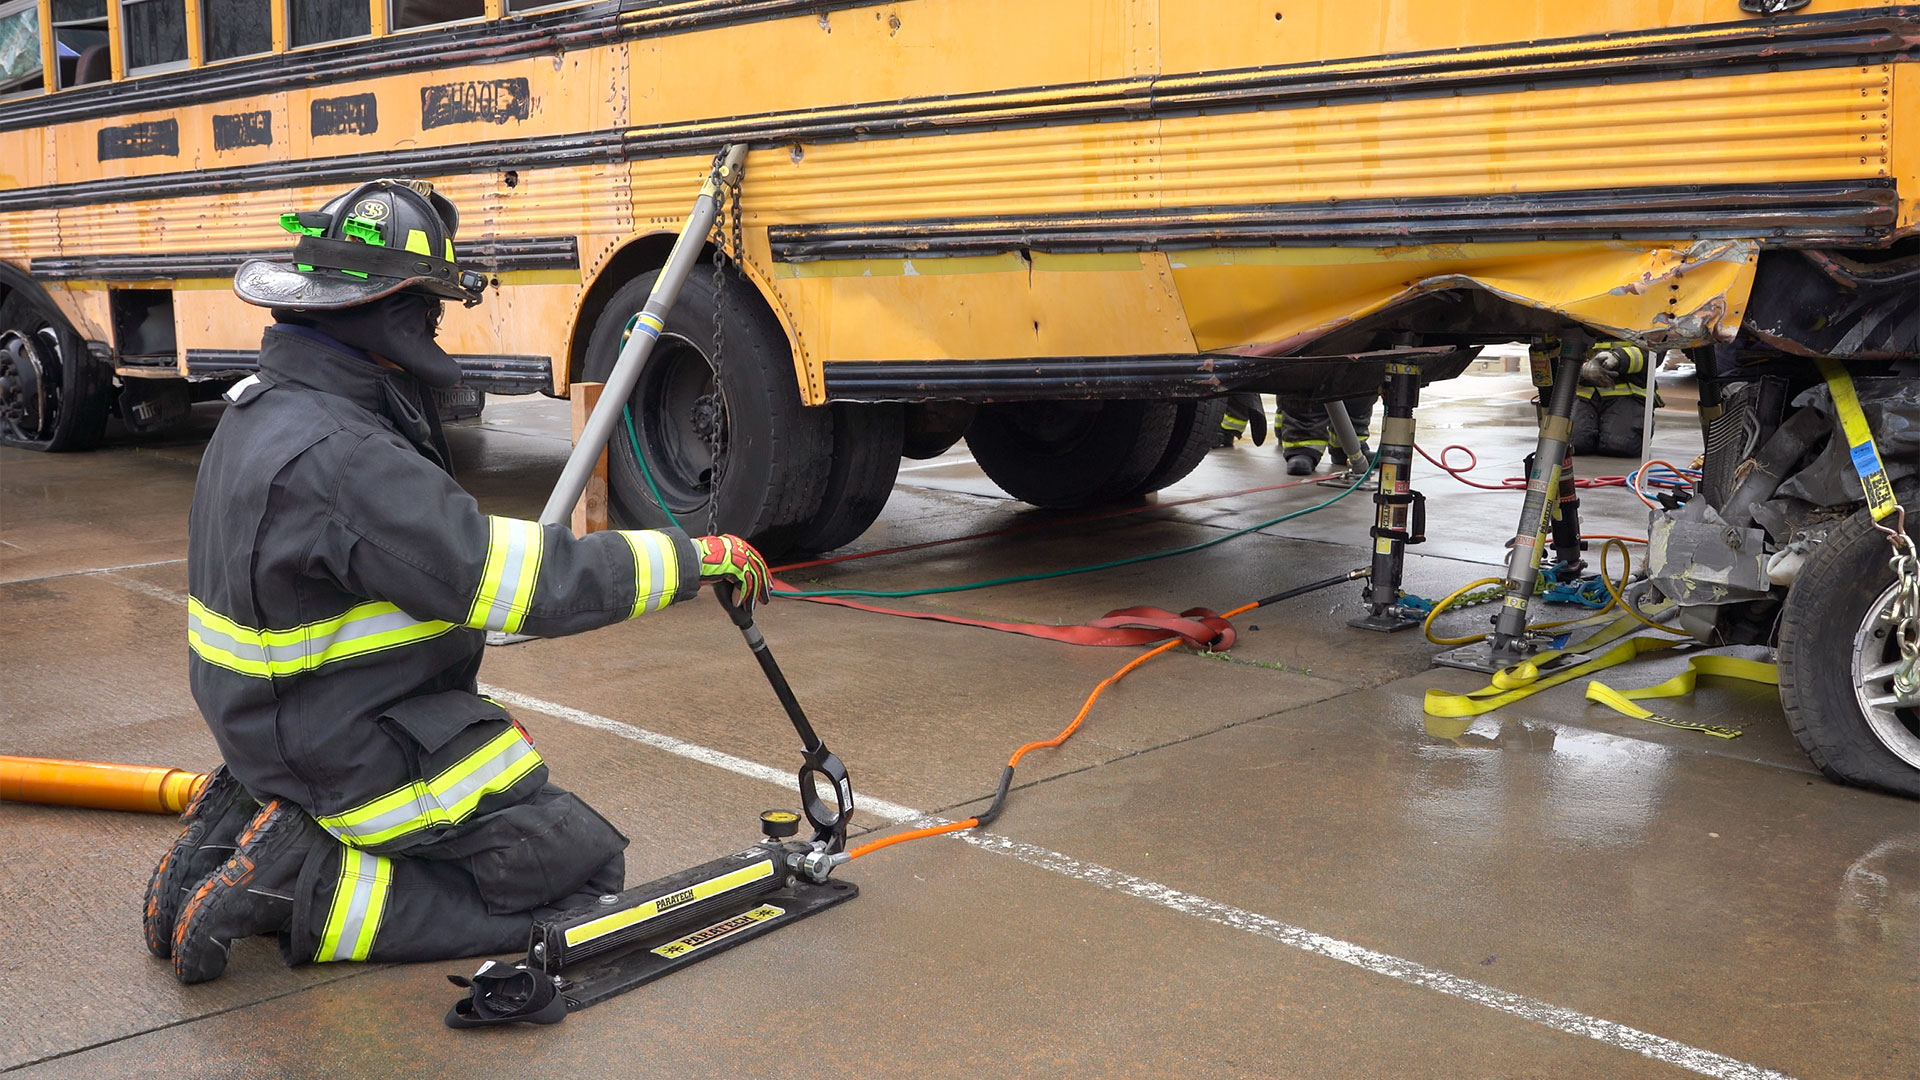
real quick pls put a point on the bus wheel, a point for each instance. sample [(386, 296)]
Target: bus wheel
[(1070, 453), (866, 460), (1837, 660), (777, 451), (1196, 429), (52, 395)]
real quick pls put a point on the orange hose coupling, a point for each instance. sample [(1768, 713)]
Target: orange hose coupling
[(152, 789)]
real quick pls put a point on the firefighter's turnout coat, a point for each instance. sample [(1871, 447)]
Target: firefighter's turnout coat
[(340, 585)]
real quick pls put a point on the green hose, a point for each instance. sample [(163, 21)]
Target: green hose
[(626, 413), (899, 593)]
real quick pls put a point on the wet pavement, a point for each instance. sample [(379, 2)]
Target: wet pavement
[(1268, 862)]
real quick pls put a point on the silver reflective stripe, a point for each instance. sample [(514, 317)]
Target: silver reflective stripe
[(354, 918), (475, 783), (420, 807), (656, 573), (520, 557), (312, 651)]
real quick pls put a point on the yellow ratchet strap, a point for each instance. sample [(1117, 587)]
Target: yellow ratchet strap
[(1860, 445), (1524, 680), (1726, 667)]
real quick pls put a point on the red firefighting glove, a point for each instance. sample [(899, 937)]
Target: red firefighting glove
[(729, 558)]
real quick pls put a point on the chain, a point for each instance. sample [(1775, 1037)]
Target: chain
[(1905, 613), (727, 217)]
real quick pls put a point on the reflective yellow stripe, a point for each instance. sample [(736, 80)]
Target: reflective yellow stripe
[(417, 242), (640, 913), (1860, 445), (656, 569), (449, 798), (359, 903), (506, 583), (364, 628)]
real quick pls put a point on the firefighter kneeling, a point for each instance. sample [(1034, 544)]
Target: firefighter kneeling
[(372, 805), (1609, 416)]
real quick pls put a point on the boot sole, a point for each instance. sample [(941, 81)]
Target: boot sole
[(232, 874), (175, 875)]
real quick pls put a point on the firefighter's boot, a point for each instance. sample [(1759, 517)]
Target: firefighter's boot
[(251, 893), (213, 821)]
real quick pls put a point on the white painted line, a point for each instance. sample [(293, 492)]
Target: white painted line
[(1691, 1058), (940, 463), (146, 588), (84, 573), (717, 758)]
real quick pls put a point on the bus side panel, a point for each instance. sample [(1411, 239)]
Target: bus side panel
[(1214, 35), (1905, 120)]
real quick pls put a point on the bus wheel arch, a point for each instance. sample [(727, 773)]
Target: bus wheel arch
[(53, 394)]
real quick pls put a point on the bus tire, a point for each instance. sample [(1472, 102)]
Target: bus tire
[(1064, 454), (53, 395), (1196, 428), (1832, 631), (866, 461), (778, 450)]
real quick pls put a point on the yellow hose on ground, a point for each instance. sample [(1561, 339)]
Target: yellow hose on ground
[(153, 789)]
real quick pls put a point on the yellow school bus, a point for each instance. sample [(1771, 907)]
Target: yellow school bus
[(1059, 226)]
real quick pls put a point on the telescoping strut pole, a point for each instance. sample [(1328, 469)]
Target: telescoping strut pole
[(626, 370), (1399, 511), (1509, 644)]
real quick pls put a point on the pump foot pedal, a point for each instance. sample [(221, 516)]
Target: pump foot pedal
[(589, 954)]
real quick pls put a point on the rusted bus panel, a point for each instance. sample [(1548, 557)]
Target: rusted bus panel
[(1904, 116), (1746, 129), (1199, 35)]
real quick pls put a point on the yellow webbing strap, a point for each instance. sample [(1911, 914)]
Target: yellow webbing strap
[(1524, 680), (1726, 667), (1860, 446)]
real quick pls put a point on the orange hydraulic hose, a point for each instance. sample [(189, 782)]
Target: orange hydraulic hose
[(1067, 733), (153, 789)]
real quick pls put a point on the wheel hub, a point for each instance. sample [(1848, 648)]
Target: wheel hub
[(24, 403), (1876, 664)]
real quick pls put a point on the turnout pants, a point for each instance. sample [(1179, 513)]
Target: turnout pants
[(1303, 427), (474, 892), (449, 844), (1609, 425)]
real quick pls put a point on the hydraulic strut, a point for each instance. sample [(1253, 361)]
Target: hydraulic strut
[(1400, 513), (1557, 376)]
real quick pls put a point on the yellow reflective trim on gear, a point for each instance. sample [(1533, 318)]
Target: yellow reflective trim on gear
[(506, 582), (1726, 667), (448, 798), (359, 904), (417, 242), (1860, 445), (369, 627), (656, 569)]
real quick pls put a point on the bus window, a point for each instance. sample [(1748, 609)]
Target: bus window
[(515, 7), (154, 33), (311, 22), (231, 28), (80, 36), (20, 47), (410, 13)]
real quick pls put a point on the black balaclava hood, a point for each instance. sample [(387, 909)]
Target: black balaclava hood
[(399, 327)]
